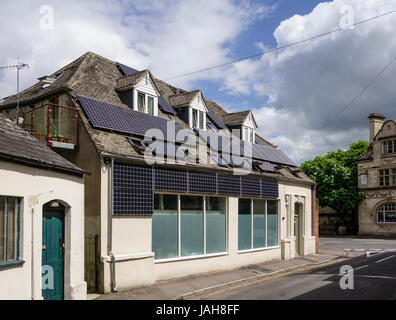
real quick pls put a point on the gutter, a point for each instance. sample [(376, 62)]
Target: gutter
[(42, 165)]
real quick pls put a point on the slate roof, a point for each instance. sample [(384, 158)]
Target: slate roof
[(16, 145), (97, 77)]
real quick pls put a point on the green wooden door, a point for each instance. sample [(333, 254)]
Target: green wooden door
[(53, 254)]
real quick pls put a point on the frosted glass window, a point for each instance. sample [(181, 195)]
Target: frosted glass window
[(259, 228), (272, 220), (245, 224), (215, 225), (191, 226), (165, 226), (2, 229)]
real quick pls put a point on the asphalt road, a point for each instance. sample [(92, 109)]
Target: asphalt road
[(374, 278)]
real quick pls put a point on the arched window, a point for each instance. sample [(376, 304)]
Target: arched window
[(387, 213)]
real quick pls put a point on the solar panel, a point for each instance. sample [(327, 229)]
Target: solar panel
[(170, 180), (251, 187), (129, 201), (215, 120), (165, 106), (266, 166), (133, 189), (269, 154), (125, 69), (269, 188), (212, 127), (228, 185), (133, 176), (104, 115), (202, 182)]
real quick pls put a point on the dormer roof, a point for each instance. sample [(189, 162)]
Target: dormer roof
[(184, 99), (237, 118)]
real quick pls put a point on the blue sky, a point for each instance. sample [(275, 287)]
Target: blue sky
[(293, 92), (245, 45)]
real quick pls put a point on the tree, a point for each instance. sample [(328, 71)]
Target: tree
[(336, 176)]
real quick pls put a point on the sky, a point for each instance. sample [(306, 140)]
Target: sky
[(294, 93)]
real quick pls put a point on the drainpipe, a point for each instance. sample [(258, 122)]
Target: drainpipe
[(110, 241), (33, 275)]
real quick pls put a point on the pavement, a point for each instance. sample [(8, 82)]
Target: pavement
[(232, 284), (190, 287)]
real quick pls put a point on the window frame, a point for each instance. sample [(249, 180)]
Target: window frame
[(252, 248), (389, 147), (383, 206), (144, 101), (179, 244), (148, 104), (17, 261)]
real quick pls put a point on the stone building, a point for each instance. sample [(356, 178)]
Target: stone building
[(177, 186), (377, 180)]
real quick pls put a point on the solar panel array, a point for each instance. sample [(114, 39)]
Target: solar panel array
[(133, 190), (269, 188), (174, 180), (215, 120), (107, 116), (229, 185), (134, 186), (126, 70), (202, 182), (165, 106), (251, 187), (224, 144)]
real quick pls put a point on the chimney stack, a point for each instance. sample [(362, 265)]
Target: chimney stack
[(376, 123)]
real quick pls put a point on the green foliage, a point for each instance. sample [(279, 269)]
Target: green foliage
[(337, 178)]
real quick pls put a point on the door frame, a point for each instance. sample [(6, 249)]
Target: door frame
[(62, 210)]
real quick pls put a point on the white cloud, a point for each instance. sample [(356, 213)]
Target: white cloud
[(311, 83), (141, 33)]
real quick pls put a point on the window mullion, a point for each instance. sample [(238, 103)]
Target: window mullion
[(6, 229), (179, 225), (252, 224), (204, 222), (266, 224)]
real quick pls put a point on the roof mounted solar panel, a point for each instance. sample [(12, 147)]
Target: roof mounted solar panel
[(215, 120), (126, 70), (165, 106), (107, 116), (266, 166), (272, 155)]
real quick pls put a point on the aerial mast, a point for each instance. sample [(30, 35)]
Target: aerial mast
[(18, 67)]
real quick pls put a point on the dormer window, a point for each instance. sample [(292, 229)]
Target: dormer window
[(139, 92)]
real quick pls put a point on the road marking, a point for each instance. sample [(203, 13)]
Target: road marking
[(384, 259), (362, 267), (376, 277), (272, 277)]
